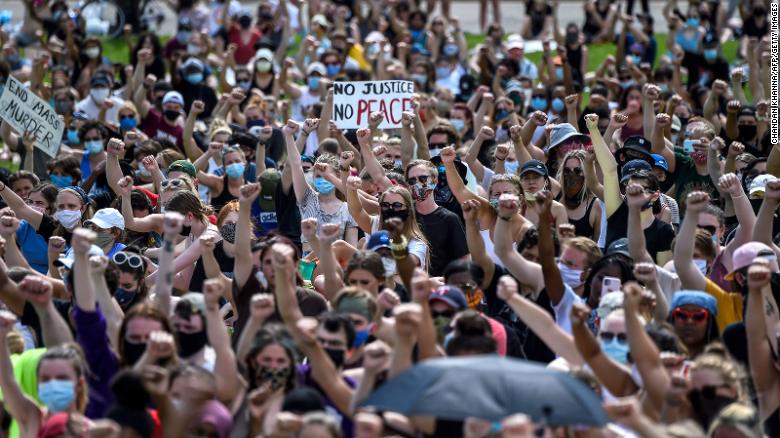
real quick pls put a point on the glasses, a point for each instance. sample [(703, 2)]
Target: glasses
[(446, 314), (331, 343), (123, 258), (423, 179), (609, 336), (693, 315), (437, 145), (86, 139), (332, 63), (710, 391), (396, 206), (574, 170), (712, 229), (173, 183)]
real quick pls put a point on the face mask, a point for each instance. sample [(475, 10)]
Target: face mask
[(73, 136), (707, 408), (511, 167), (61, 181), (693, 22), (245, 22), (62, 107), (699, 157), (390, 213), (421, 191), (664, 88), (420, 79), (626, 84), (539, 103), (615, 350), (716, 240), (688, 145), (747, 133), (263, 66), (99, 94), (103, 239), (323, 186), (92, 52), (637, 59), (128, 123), (228, 232), (191, 343), (133, 351), (193, 49), (171, 115), (675, 137), (494, 203), (361, 336), (337, 356), (235, 170), (244, 85), (194, 78), (57, 394), (314, 82), (68, 218), (458, 124), (124, 297), (572, 277), (182, 37), (277, 377), (332, 70), (710, 54), (435, 152), (558, 105), (502, 114), (701, 265), (94, 147), (559, 73), (143, 173), (442, 325), (389, 265), (442, 72)]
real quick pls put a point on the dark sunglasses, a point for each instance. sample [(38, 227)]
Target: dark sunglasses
[(176, 182), (694, 315), (609, 336), (124, 258), (437, 145), (86, 139), (422, 179), (397, 206), (709, 228), (446, 314), (572, 170), (710, 391)]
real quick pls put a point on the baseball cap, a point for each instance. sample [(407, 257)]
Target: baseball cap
[(638, 144), (268, 180), (183, 166), (69, 257), (190, 303), (695, 298), (745, 254), (106, 218), (99, 80), (173, 97), (632, 167), (320, 19), (535, 166), (266, 54), (758, 184), (619, 246), (317, 67), (450, 295), (378, 240), (462, 169), (193, 62), (515, 41), (660, 162)]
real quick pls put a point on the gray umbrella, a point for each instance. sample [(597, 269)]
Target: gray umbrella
[(490, 388)]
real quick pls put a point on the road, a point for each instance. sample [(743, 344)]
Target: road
[(467, 12)]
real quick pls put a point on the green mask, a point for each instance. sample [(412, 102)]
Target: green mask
[(442, 324), (103, 239)]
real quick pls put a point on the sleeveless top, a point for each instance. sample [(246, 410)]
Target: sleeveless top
[(582, 226), (223, 198)]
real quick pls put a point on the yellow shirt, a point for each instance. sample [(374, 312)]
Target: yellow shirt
[(729, 305)]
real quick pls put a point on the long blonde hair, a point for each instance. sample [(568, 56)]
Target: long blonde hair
[(411, 228), (578, 154)]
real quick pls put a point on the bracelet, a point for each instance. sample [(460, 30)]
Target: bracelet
[(500, 159), (399, 247), (505, 218)]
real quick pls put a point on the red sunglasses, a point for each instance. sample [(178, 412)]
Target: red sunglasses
[(685, 315)]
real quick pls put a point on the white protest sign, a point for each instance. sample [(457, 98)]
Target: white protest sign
[(24, 111), (353, 102)]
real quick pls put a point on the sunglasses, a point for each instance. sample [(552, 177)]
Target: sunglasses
[(124, 258), (710, 391), (572, 170), (86, 139), (397, 206), (423, 179), (437, 145), (694, 315), (709, 228), (174, 183), (446, 314), (609, 336)]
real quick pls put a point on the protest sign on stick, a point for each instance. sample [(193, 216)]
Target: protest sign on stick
[(353, 102), (24, 111)]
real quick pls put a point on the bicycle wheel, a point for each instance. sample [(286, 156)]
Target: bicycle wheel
[(103, 17)]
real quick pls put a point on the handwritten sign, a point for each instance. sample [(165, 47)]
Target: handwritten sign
[(353, 102), (25, 111)]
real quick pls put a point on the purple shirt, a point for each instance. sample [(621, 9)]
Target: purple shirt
[(103, 364), (305, 378)]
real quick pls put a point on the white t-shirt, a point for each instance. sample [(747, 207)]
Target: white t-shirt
[(92, 109), (416, 247), (563, 308), (301, 105)]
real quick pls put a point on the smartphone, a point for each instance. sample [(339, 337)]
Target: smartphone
[(610, 284)]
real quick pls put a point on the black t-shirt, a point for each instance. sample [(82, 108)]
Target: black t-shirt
[(446, 237), (735, 339), (225, 266), (288, 215), (658, 236), (191, 93), (705, 73), (30, 319)]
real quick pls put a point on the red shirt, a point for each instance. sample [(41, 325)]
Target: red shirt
[(154, 126), (244, 52)]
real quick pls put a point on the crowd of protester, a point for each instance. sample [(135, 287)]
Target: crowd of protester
[(207, 254)]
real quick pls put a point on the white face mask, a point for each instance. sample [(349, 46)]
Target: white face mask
[(571, 277), (701, 264), (99, 94), (92, 52), (68, 218), (390, 266)]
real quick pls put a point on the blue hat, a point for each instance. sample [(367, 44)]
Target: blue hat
[(378, 240), (660, 162), (450, 295), (632, 167), (535, 166), (695, 298)]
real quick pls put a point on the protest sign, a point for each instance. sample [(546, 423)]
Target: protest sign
[(24, 111), (353, 102)]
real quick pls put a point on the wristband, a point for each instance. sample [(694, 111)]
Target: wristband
[(399, 247)]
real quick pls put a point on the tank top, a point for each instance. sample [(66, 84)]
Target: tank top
[(582, 226), (590, 27), (223, 198)]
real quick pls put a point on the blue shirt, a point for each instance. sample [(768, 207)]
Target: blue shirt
[(34, 247)]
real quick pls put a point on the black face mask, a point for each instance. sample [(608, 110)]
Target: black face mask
[(171, 115), (185, 230), (191, 343), (747, 133), (133, 351), (390, 213), (337, 356), (245, 22), (707, 406)]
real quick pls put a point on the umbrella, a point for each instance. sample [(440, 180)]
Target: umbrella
[(490, 388)]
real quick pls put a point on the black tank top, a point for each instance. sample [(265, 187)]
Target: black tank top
[(582, 226), (590, 28), (223, 197)]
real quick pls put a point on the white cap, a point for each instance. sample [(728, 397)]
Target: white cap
[(759, 183), (316, 67), (108, 218), (173, 97), (266, 54), (515, 41)]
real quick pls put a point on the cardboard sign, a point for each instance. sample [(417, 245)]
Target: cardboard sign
[(25, 111), (353, 102)]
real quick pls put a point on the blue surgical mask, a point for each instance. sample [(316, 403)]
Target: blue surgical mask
[(323, 186), (73, 136), (314, 82), (693, 22), (710, 54), (128, 123), (61, 181), (559, 73), (442, 72), (93, 147), (664, 87), (194, 78), (361, 336), (637, 59), (458, 124), (332, 69), (539, 104), (57, 394), (701, 265), (420, 79), (626, 84), (244, 85), (235, 170), (688, 145), (558, 104), (502, 114), (615, 350), (398, 163), (510, 167)]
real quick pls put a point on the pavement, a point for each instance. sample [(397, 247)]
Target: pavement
[(467, 11)]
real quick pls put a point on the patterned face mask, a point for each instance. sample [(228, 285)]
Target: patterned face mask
[(228, 232), (277, 377)]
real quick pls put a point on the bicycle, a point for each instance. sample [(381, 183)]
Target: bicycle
[(109, 17)]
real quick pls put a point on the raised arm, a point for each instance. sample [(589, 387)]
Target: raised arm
[(373, 167), (328, 235), (242, 267), (21, 407), (225, 365), (294, 161), (20, 208), (528, 272), (191, 149), (323, 129), (163, 285), (476, 145), (552, 276), (650, 94), (108, 306), (261, 307), (291, 90), (146, 224), (475, 242), (458, 188), (39, 292), (608, 165), (766, 377), (762, 231), (636, 198), (139, 78), (689, 274), (730, 184), (352, 185)]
